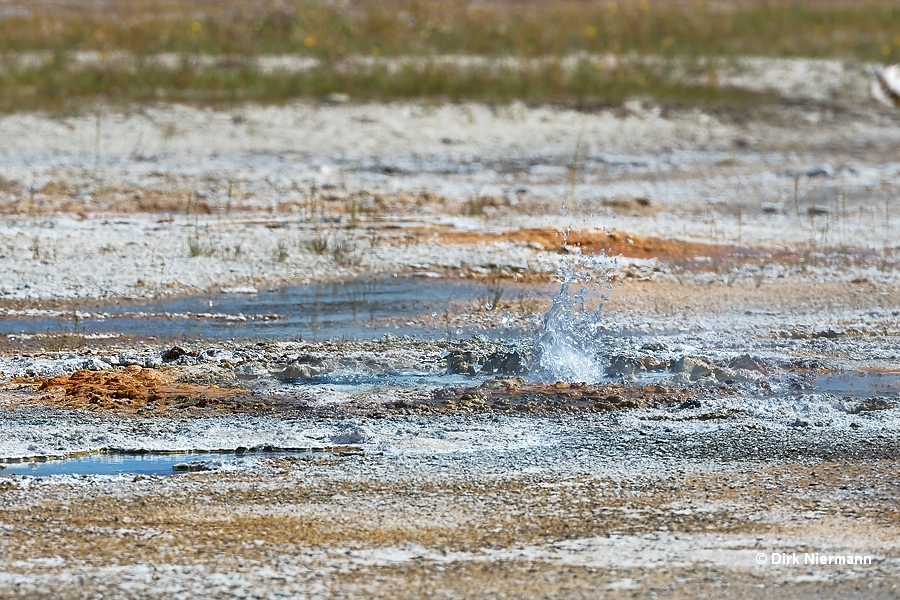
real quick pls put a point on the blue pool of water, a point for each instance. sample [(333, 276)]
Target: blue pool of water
[(131, 463), (355, 309)]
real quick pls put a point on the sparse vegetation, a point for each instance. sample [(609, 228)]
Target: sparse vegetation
[(493, 291), (473, 207), (70, 336), (317, 243), (759, 275), (281, 251), (198, 245), (346, 253), (349, 44), (330, 31), (551, 81)]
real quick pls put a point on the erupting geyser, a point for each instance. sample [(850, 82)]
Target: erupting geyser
[(566, 346)]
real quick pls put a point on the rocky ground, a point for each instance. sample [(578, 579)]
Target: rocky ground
[(592, 507), (746, 395)]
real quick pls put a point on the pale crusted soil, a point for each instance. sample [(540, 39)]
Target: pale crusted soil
[(728, 232), (126, 208), (345, 527)]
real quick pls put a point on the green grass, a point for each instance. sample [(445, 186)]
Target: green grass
[(332, 32), (58, 89), (423, 27)]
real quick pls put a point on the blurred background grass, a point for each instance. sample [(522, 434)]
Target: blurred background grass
[(43, 44)]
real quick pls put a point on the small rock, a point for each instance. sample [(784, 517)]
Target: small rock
[(240, 289), (693, 367), (129, 358), (351, 434), (885, 85), (747, 362), (304, 367), (464, 363), (250, 372), (191, 467), (173, 353), (816, 171), (94, 364), (819, 171), (337, 98), (870, 405), (505, 363)]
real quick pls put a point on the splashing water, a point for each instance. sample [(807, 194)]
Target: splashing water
[(566, 346)]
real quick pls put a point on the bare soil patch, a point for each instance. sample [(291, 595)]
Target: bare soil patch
[(136, 389), (629, 245), (516, 396)]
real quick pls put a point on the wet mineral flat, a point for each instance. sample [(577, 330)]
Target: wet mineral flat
[(711, 408)]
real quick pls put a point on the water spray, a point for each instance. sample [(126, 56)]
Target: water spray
[(566, 346)]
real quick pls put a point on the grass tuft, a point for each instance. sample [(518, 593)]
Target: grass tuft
[(318, 243), (346, 253)]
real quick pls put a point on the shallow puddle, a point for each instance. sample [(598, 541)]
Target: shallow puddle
[(115, 462), (356, 309), (859, 385)]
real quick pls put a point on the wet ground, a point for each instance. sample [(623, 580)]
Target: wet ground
[(752, 455), (121, 461), (361, 368), (356, 308), (577, 505)]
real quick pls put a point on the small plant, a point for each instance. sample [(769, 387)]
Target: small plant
[(312, 201), (345, 253), (318, 243), (573, 166), (199, 247), (759, 275), (65, 338), (97, 121), (473, 207), (494, 292), (529, 305), (353, 210), (169, 131), (281, 251), (35, 247), (493, 297), (731, 277)]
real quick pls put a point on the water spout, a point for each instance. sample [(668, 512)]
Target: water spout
[(566, 346)]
